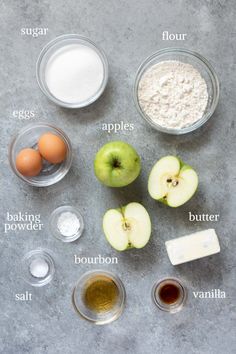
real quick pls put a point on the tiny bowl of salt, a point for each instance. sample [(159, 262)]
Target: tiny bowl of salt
[(66, 223), (37, 267)]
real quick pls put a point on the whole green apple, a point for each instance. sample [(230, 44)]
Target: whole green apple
[(117, 164)]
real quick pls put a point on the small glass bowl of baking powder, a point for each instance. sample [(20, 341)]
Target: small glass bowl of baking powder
[(72, 71), (66, 223), (205, 73)]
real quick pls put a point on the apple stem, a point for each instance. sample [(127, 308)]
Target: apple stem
[(116, 163)]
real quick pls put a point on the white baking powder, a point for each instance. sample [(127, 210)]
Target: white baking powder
[(74, 73), (68, 224), (173, 94)]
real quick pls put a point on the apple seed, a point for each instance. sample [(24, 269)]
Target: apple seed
[(126, 226), (175, 183)]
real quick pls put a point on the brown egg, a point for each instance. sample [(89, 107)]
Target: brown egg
[(52, 148), (29, 162)]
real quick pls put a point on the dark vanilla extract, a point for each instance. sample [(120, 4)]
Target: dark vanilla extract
[(169, 293)]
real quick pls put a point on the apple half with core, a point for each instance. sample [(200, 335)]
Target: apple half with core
[(127, 227), (117, 164), (172, 182)]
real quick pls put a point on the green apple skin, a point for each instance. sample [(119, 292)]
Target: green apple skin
[(117, 164)]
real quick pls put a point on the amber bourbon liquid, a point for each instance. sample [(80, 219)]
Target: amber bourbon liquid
[(100, 294)]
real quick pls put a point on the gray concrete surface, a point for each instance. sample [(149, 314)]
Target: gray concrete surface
[(128, 31)]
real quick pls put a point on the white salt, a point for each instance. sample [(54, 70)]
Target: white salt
[(39, 268)]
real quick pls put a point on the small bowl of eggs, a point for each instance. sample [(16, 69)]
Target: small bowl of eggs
[(40, 154)]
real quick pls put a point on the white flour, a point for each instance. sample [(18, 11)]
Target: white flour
[(173, 94)]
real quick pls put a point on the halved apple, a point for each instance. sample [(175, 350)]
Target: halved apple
[(127, 227), (172, 182)]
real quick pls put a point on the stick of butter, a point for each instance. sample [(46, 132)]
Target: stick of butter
[(194, 246)]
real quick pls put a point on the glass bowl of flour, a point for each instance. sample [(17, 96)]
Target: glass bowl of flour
[(176, 90), (72, 71)]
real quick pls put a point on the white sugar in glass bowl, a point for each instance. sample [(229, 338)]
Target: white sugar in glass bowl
[(72, 71), (200, 64)]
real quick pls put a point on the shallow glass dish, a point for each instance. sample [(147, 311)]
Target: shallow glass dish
[(28, 138), (47, 53), (199, 63), (37, 255), (53, 223), (172, 307), (92, 316)]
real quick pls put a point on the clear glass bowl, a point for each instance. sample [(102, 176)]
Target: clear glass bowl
[(28, 138), (102, 317), (53, 223), (197, 61), (173, 307), (47, 53), (37, 255)]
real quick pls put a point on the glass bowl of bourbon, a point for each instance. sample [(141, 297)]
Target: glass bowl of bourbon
[(99, 297)]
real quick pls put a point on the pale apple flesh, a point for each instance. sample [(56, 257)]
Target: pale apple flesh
[(127, 227), (172, 182)]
